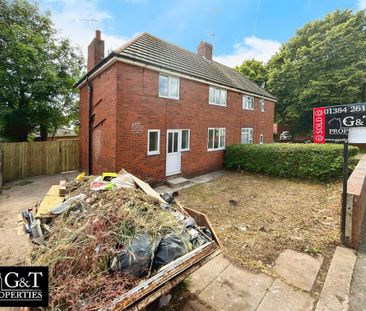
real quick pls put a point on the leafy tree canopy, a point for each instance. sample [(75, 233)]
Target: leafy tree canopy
[(37, 72), (323, 64), (254, 70)]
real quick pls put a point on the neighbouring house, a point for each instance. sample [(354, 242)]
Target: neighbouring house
[(158, 110)]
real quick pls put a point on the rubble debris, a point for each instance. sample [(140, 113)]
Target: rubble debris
[(62, 187), (72, 203), (100, 244)]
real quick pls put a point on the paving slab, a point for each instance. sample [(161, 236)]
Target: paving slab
[(194, 305), (282, 297), (298, 269), (236, 289), (177, 182), (335, 293), (201, 278)]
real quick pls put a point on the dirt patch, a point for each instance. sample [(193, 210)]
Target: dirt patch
[(256, 217)]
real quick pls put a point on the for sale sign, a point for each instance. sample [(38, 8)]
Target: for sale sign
[(332, 124)]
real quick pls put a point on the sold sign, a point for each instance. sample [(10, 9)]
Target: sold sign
[(319, 125)]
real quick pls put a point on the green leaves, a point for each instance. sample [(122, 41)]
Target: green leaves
[(323, 64), (303, 161), (37, 72), (253, 70)]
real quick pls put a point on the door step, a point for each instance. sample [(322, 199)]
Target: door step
[(177, 182)]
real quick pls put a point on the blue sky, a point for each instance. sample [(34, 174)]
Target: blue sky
[(243, 28)]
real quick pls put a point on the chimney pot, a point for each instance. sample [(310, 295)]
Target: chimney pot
[(95, 51), (205, 49)]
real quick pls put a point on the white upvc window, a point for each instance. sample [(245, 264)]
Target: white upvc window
[(261, 139), (247, 135), (248, 102), (153, 142), (262, 105), (185, 141), (216, 139), (217, 96), (168, 86)]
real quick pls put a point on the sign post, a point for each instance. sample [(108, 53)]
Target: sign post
[(333, 124)]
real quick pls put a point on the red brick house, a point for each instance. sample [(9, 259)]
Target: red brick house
[(159, 110)]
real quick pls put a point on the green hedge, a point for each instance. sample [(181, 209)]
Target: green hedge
[(305, 161)]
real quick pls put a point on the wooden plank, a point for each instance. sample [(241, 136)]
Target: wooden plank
[(54, 190), (48, 203)]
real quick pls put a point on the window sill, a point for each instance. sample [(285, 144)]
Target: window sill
[(217, 105), (167, 97), (153, 153), (248, 109), (217, 149)]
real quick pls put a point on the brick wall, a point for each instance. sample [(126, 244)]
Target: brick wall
[(104, 122), (139, 108), (356, 192)]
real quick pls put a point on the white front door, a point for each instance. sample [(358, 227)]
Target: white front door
[(173, 152)]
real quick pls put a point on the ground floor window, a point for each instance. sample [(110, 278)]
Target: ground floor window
[(216, 138), (185, 140), (261, 139), (247, 135), (153, 142)]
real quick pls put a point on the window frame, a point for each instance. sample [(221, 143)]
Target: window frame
[(189, 140), (169, 78), (219, 139), (261, 139), (251, 130), (243, 102), (221, 90), (262, 105), (155, 152)]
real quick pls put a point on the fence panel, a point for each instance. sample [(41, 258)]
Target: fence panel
[(27, 159)]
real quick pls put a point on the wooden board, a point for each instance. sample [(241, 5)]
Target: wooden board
[(53, 190), (48, 203)]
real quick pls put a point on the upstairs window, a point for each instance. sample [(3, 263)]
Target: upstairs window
[(217, 96), (247, 135), (248, 102), (216, 138), (168, 87), (262, 105), (153, 142)]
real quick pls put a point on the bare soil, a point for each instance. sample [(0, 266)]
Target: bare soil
[(256, 217)]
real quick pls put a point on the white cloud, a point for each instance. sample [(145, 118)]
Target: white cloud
[(69, 17), (250, 47), (362, 4)]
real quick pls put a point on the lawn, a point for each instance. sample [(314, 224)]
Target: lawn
[(256, 217)]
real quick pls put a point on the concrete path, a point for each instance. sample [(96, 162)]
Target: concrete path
[(220, 285), (19, 196), (335, 293), (358, 284), (193, 181)]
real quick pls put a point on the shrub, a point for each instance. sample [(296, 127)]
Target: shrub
[(305, 161)]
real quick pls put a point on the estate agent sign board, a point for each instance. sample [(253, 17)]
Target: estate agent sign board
[(332, 124)]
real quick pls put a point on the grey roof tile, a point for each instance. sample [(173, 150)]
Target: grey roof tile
[(152, 50)]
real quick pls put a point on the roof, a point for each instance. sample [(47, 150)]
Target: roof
[(151, 50)]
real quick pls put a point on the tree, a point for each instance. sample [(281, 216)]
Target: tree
[(323, 64), (37, 72), (254, 70)]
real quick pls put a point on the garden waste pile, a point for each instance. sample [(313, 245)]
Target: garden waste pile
[(106, 237)]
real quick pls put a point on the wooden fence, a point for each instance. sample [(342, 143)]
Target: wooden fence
[(29, 159)]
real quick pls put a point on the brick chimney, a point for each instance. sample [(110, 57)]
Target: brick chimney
[(95, 51), (205, 49)]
